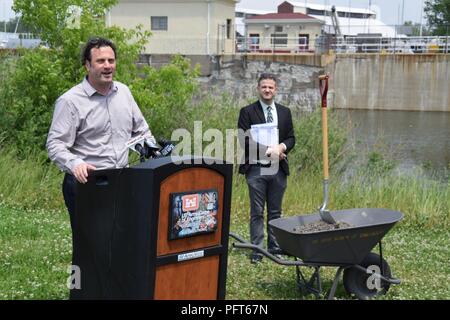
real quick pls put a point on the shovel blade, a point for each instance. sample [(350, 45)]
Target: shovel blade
[(326, 216)]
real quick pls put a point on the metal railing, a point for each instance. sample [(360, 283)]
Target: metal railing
[(349, 44), (363, 38), (15, 40), (277, 44), (412, 45)]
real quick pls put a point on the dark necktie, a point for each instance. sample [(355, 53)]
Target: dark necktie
[(269, 114)]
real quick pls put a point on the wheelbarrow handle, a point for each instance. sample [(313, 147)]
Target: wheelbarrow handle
[(245, 245), (236, 237)]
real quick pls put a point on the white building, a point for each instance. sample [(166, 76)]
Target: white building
[(191, 27), (282, 32), (352, 21)]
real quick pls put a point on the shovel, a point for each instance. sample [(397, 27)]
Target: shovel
[(325, 214)]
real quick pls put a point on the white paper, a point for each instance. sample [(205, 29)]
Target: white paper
[(265, 133)]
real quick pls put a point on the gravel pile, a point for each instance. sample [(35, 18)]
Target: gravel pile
[(321, 226)]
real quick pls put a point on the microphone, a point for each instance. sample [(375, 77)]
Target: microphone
[(166, 147), (151, 143), (151, 148), (136, 143), (144, 144)]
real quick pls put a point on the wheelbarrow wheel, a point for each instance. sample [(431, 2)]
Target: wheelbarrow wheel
[(363, 284)]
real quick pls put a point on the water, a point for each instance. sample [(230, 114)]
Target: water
[(411, 139)]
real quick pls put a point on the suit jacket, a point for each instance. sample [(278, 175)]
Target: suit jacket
[(254, 114)]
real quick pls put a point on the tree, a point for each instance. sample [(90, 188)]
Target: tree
[(438, 16), (52, 19), (55, 22)]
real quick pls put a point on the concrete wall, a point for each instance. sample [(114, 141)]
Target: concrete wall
[(297, 86), (358, 81), (391, 82), (206, 63), (385, 82)]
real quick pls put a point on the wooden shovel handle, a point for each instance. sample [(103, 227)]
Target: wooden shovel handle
[(323, 85)]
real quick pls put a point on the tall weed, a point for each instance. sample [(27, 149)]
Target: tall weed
[(28, 184)]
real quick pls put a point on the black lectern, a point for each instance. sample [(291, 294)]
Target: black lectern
[(158, 230)]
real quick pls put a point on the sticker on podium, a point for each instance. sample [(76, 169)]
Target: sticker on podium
[(191, 255), (193, 213)]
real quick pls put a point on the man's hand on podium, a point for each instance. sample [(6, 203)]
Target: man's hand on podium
[(81, 171)]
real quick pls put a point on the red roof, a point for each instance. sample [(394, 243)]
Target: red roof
[(282, 16)]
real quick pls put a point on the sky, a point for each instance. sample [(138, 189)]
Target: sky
[(390, 10), (6, 12)]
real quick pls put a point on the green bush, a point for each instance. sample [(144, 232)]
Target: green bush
[(32, 90), (164, 95)]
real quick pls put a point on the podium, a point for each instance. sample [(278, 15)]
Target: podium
[(158, 230)]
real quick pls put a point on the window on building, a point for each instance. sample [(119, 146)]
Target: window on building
[(316, 12), (279, 39), (359, 15), (303, 42), (278, 28), (159, 23), (254, 41)]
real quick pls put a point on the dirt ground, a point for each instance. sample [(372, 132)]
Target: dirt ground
[(320, 226)]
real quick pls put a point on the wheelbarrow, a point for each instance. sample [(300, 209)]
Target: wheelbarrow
[(365, 274)]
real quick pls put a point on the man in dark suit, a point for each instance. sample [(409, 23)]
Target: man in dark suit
[(265, 167)]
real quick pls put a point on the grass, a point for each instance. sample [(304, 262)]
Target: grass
[(35, 245), (29, 184), (35, 252)]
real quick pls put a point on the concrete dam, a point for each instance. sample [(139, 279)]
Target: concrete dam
[(408, 82)]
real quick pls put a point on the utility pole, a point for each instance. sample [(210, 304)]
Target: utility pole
[(403, 12), (349, 14), (4, 15), (421, 19)]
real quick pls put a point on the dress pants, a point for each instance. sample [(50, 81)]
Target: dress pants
[(264, 189), (68, 188)]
